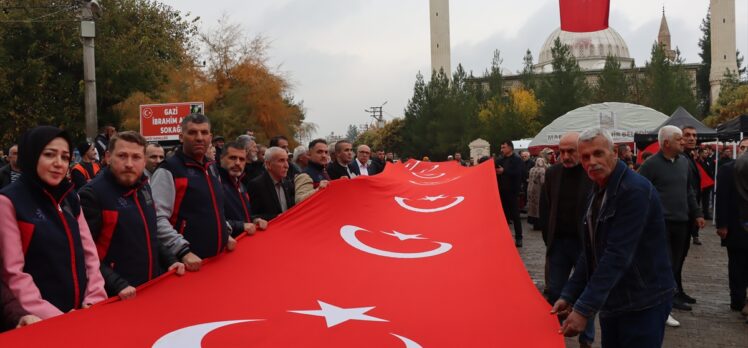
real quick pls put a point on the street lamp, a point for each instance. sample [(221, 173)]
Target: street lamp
[(90, 10)]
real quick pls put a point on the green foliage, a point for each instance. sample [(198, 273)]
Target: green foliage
[(388, 138), (509, 117), (442, 116), (732, 102), (527, 76), (352, 133), (666, 84), (612, 85), (41, 61), (565, 88), (703, 88)]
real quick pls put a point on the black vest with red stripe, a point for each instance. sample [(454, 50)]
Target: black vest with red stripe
[(198, 212), (128, 239), (53, 252), (237, 199)]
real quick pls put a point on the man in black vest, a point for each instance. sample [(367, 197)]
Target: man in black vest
[(189, 198), (237, 204), (118, 206), (562, 207)]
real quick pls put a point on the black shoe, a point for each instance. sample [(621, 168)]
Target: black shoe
[(685, 298), (677, 304), (696, 241), (518, 243)]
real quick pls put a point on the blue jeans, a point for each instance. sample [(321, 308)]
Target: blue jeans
[(559, 263), (641, 329)]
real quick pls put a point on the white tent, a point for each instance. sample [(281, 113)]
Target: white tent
[(621, 119)]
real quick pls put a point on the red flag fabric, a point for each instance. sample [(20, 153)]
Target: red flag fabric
[(584, 15), (418, 256)]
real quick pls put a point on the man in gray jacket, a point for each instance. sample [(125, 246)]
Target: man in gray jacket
[(669, 172)]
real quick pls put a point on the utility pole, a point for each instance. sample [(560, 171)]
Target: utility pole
[(376, 113), (88, 33)]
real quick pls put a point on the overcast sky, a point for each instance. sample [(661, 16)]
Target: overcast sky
[(343, 56)]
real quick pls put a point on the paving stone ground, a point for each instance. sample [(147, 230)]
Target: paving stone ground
[(710, 324)]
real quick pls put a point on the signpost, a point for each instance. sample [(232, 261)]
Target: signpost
[(162, 121)]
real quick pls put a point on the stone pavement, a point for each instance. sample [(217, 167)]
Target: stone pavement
[(710, 324)]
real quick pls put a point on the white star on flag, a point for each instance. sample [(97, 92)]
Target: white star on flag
[(403, 236), (335, 315), (433, 198)]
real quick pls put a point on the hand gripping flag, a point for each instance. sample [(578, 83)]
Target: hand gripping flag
[(584, 15), (418, 256)]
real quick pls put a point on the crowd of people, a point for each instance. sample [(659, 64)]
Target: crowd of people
[(617, 233), (75, 233)]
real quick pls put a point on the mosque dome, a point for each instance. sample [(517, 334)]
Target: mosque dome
[(589, 48)]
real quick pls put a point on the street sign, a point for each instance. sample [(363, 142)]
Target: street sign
[(162, 121)]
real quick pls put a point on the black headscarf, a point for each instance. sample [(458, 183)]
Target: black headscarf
[(30, 148)]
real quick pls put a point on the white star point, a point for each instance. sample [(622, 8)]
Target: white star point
[(403, 236), (433, 198), (335, 315)]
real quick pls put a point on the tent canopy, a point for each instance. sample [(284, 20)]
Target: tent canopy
[(680, 118), (623, 120), (732, 129)]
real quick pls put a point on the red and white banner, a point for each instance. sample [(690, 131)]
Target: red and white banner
[(584, 15), (418, 256), (162, 121)]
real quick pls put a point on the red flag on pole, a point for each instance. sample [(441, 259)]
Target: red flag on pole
[(418, 256), (584, 15)]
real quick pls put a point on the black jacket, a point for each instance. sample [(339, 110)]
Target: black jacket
[(337, 171), (263, 198), (550, 201), (5, 176), (728, 208), (510, 181)]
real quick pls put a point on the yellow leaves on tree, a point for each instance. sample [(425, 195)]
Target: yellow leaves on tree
[(510, 116), (263, 93), (732, 102)]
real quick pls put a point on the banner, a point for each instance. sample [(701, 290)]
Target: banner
[(418, 256), (584, 16), (163, 121)]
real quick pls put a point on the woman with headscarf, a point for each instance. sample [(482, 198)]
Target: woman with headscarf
[(49, 260), (534, 185)]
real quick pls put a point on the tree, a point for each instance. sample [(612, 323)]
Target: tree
[(732, 102), (527, 76), (666, 84), (703, 88), (442, 115), (43, 57), (509, 117), (352, 133), (612, 85), (565, 88)]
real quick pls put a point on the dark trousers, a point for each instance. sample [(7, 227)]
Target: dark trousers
[(706, 203), (679, 242), (510, 203), (737, 273), (642, 329), (558, 265)]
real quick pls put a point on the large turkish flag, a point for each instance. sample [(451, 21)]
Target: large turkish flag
[(418, 256), (584, 15)]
